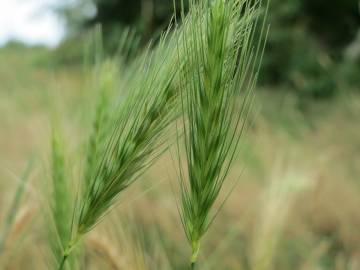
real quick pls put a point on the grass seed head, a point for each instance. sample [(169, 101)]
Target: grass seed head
[(223, 62)]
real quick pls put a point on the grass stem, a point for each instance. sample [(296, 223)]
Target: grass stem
[(195, 253), (62, 263), (67, 251)]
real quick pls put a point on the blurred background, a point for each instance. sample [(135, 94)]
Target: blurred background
[(297, 203)]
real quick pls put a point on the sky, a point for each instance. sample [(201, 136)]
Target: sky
[(30, 21)]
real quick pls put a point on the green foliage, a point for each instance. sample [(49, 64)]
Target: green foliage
[(148, 17), (305, 48), (320, 20), (69, 52), (303, 34)]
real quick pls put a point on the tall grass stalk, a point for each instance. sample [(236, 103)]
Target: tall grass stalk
[(137, 138), (61, 200), (286, 183), (224, 52), (15, 205)]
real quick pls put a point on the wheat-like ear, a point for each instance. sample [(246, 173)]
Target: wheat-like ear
[(138, 136), (137, 139), (107, 77), (218, 80)]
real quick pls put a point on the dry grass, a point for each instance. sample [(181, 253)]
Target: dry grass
[(321, 230)]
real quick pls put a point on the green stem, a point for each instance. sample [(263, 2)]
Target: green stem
[(195, 253), (62, 264), (68, 251)]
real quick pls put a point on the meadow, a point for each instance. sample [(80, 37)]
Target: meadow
[(291, 202)]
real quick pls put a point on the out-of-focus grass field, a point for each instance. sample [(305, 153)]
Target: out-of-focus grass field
[(295, 206)]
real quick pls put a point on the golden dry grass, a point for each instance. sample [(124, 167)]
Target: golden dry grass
[(316, 227)]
